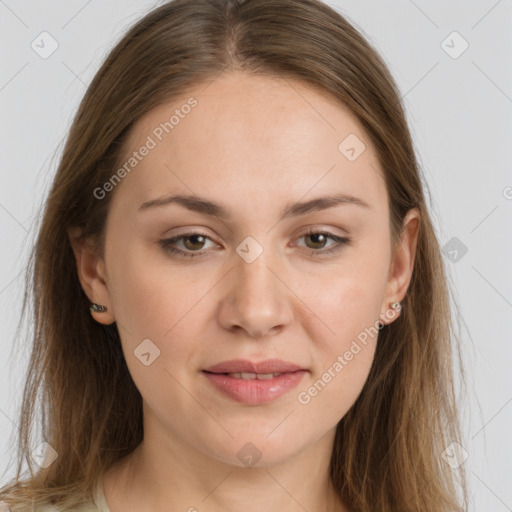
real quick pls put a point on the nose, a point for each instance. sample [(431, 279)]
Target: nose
[(257, 299)]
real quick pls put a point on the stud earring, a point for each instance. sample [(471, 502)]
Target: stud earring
[(397, 306), (97, 307)]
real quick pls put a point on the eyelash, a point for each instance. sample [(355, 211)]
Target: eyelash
[(166, 244)]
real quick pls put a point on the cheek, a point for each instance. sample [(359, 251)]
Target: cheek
[(344, 353), (348, 308), (349, 301), (157, 311), (148, 298), (153, 317)]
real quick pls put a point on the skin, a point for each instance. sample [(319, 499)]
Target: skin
[(254, 144)]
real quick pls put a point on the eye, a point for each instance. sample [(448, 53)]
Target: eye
[(194, 243), (320, 238)]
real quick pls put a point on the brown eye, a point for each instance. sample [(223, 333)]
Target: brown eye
[(191, 243), (196, 242), (318, 240)]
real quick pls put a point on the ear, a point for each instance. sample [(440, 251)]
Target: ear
[(402, 265), (91, 274)]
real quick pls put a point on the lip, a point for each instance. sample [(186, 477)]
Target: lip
[(244, 365), (254, 391)]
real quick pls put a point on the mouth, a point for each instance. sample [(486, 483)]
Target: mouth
[(241, 366), (249, 376), (254, 383)]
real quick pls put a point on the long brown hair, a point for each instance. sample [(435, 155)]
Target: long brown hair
[(387, 451)]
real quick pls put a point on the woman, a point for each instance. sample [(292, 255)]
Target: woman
[(240, 301)]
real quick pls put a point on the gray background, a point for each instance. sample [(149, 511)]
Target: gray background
[(460, 110)]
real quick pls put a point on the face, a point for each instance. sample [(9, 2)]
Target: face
[(276, 269)]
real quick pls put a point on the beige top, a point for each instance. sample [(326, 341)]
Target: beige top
[(99, 497)]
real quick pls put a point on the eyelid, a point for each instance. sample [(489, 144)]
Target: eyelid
[(174, 239), (339, 243)]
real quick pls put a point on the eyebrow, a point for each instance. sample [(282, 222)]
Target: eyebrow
[(207, 207)]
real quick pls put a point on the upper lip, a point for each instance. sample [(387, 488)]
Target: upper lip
[(246, 366)]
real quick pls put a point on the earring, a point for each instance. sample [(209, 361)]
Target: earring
[(97, 307), (397, 306)]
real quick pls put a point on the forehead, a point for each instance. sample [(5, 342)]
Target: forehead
[(244, 135)]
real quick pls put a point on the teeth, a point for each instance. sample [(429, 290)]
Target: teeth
[(252, 376), (265, 376)]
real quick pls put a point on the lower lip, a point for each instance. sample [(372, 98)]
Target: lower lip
[(254, 391)]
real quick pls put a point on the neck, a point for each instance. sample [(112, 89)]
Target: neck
[(174, 476)]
